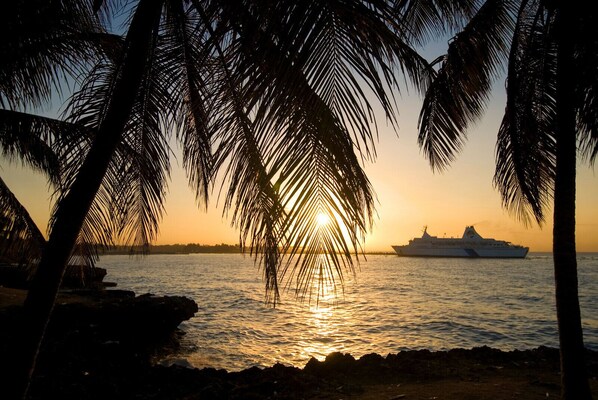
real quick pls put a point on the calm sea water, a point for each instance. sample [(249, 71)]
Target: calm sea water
[(391, 304)]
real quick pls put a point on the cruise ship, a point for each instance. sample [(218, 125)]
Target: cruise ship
[(471, 245)]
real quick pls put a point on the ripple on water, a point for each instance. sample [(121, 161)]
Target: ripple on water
[(392, 304)]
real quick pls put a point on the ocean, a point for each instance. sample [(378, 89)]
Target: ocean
[(390, 304)]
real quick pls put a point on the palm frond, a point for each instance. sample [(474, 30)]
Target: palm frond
[(424, 21), (21, 240), (98, 228), (30, 138), (47, 145), (190, 82), (257, 211), (307, 145), (588, 123), (459, 93), (87, 107), (587, 87), (130, 202), (526, 146), (321, 176), (343, 52), (42, 45), (144, 176)]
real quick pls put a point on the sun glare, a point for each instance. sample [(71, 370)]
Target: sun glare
[(322, 219)]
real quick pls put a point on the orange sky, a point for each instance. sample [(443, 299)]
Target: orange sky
[(409, 194)]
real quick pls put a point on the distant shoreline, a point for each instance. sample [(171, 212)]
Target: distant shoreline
[(189, 248), (194, 248)]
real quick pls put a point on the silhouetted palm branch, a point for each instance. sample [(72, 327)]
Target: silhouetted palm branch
[(587, 87), (190, 84), (48, 43), (130, 202), (26, 138), (424, 21), (144, 174), (256, 207), (311, 114), (460, 91), (525, 163), (44, 144), (29, 139), (20, 238)]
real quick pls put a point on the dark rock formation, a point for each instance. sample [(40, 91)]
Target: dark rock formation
[(75, 276), (116, 315), (98, 342)]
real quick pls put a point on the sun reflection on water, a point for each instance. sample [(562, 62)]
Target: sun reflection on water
[(323, 316), (321, 341)]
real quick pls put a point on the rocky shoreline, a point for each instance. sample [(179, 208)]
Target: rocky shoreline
[(100, 345)]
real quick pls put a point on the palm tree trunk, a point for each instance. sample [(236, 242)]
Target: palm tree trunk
[(73, 208), (573, 371)]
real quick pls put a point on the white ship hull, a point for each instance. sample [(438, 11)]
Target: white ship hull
[(471, 245), (407, 251)]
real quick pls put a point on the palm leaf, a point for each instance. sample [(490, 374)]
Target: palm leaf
[(30, 139), (129, 204), (190, 83), (315, 181), (305, 142), (256, 208), (144, 176), (461, 88), (47, 145), (41, 47), (20, 238), (425, 21), (526, 146), (587, 87), (87, 108)]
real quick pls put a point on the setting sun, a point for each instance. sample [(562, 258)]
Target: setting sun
[(322, 219)]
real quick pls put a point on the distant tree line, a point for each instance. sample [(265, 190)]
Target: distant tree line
[(179, 249)]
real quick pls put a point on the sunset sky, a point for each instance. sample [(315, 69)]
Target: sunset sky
[(410, 195)]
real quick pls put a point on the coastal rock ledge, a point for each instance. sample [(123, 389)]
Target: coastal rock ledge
[(93, 337), (104, 315)]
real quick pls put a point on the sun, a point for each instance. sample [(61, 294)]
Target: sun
[(322, 219)]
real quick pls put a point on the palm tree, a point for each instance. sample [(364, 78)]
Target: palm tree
[(551, 106), (28, 139), (41, 144), (276, 95), (21, 239), (45, 43)]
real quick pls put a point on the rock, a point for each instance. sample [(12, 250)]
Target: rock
[(99, 343), (179, 362), (122, 316), (83, 276), (334, 363), (75, 276), (371, 360)]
